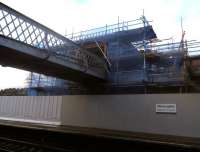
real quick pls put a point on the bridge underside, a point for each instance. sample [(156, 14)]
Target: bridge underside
[(22, 56)]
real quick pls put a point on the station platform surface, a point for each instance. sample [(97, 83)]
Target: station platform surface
[(168, 140)]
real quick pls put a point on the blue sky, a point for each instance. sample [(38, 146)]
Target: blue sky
[(65, 15)]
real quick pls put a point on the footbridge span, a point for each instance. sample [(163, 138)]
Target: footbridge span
[(28, 45)]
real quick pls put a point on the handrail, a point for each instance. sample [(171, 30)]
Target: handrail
[(106, 30), (19, 27)]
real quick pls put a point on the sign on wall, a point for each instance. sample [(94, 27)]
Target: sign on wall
[(166, 108)]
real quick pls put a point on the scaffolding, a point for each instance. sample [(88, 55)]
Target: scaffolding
[(136, 57), (108, 30), (36, 80)]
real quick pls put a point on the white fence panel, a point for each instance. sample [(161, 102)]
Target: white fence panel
[(35, 109)]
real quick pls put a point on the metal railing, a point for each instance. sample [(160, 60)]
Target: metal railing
[(17, 26), (108, 29)]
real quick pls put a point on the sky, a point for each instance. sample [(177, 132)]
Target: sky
[(65, 16)]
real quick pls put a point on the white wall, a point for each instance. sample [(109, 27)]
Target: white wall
[(134, 113)]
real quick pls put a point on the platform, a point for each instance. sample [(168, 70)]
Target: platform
[(177, 142)]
